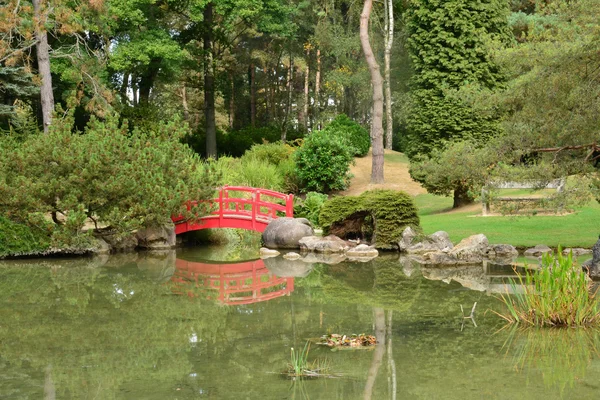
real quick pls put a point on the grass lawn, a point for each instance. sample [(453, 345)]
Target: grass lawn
[(579, 229)]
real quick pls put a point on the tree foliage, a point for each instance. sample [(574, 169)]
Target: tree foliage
[(354, 134), (116, 178), (449, 45)]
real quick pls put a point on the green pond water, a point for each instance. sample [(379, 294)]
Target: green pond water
[(182, 325)]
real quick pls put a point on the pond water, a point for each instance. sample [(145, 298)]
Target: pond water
[(182, 325)]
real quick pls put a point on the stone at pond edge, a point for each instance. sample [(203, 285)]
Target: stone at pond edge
[(327, 244), (324, 258), (292, 256), (537, 251), (504, 251), (593, 266), (362, 250), (470, 250), (438, 241), (577, 251), (120, 243), (161, 237), (266, 253), (285, 233)]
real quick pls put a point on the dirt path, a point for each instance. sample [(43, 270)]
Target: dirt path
[(395, 174)]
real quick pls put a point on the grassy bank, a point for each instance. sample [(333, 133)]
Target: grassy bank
[(579, 229)]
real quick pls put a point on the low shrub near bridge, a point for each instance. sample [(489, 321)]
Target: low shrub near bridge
[(378, 216)]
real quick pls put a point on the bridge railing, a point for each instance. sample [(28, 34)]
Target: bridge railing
[(253, 204)]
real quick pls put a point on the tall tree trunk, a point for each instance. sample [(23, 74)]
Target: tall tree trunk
[(231, 101), (124, 87), (272, 82), (134, 89), (147, 82), (209, 84), (389, 40), (252, 73), (306, 83), (43, 58), (184, 103), (377, 82), (379, 316), (288, 108), (317, 108)]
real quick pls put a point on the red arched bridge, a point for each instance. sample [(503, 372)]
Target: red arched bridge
[(230, 283), (240, 207)]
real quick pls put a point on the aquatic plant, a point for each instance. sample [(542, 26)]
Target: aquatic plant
[(300, 367), (557, 294)]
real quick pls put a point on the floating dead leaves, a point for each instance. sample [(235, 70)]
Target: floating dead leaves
[(353, 341)]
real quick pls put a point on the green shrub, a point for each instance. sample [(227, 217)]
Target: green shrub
[(356, 136), (273, 153), (558, 294), (115, 177), (378, 216), (18, 239), (310, 207), (323, 163)]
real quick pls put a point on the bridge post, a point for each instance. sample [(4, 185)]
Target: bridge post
[(221, 206), (289, 205), (255, 200)]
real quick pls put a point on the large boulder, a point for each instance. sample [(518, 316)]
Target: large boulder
[(161, 237), (327, 244), (126, 242), (438, 241), (286, 232), (471, 249)]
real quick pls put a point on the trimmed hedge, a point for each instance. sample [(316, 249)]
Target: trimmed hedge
[(378, 216)]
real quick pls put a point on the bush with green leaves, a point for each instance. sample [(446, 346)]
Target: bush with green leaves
[(355, 135), (116, 178), (268, 166), (19, 239), (323, 163), (378, 216), (310, 207)]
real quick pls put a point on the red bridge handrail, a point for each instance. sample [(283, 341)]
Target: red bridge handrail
[(250, 212)]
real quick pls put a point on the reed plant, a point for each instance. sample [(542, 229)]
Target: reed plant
[(557, 294), (300, 367)]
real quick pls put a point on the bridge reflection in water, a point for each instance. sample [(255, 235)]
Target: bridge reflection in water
[(231, 283)]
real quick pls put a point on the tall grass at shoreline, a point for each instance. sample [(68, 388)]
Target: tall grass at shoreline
[(557, 294)]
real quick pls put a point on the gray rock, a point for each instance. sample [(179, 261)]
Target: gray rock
[(439, 241), (288, 268), (408, 236), (266, 253), (121, 242), (327, 244), (471, 249), (285, 233), (101, 246), (160, 237), (577, 251), (504, 251), (362, 250), (593, 266), (292, 256), (537, 251)]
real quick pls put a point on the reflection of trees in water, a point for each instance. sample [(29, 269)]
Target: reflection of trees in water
[(562, 356), (90, 331)]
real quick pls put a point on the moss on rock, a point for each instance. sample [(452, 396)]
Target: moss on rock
[(378, 216)]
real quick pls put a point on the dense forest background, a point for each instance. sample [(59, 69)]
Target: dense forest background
[(475, 92)]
